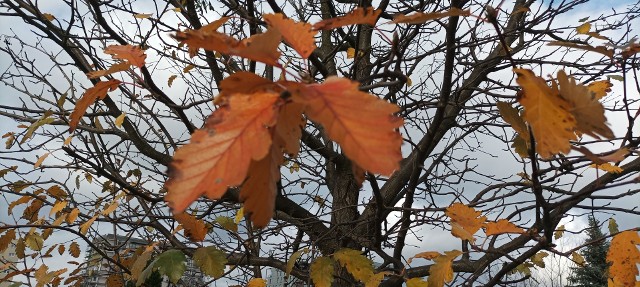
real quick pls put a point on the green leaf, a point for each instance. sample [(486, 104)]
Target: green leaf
[(44, 120), (227, 223), (292, 260), (616, 77), (170, 263), (613, 226), (211, 261), (358, 265), (322, 272)]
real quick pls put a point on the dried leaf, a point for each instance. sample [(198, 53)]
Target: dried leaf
[(297, 34), (60, 205), (132, 54), (375, 279), (115, 280), (73, 215), (45, 119), (48, 16), (624, 257), (548, 115), (84, 228), (607, 167), (259, 190), (577, 258), (442, 270), (321, 272), (559, 232), (219, 154), (465, 221), (288, 131), (257, 282), (429, 255), (367, 134), (194, 229), (512, 117), (141, 262), (40, 160), (599, 49), (420, 18), (171, 79), (118, 67), (142, 15), (120, 120), (584, 28), (110, 208), (360, 15), (538, 259), (502, 226), (99, 91), (599, 89), (239, 215), (34, 241), (6, 239), (588, 112), (227, 223)]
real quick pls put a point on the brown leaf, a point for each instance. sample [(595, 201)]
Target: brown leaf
[(512, 117), (297, 34), (220, 153), (358, 16), (259, 190), (288, 131), (420, 18), (74, 249), (99, 91), (6, 239), (132, 54), (194, 229)]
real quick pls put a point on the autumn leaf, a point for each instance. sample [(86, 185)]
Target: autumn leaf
[(292, 260), (429, 255), (60, 205), (257, 282), (420, 18), (139, 265), (288, 131), (242, 83), (502, 226), (465, 221), (442, 270), (31, 212), (612, 226), (171, 79), (219, 154), (559, 232), (624, 256), (45, 119), (360, 15), (538, 258), (584, 28), (115, 280), (239, 215), (73, 215), (367, 134), (211, 261), (577, 258), (259, 190), (599, 49), (40, 160), (34, 241), (194, 229), (142, 15), (170, 263), (512, 117), (599, 89), (375, 279), (6, 239), (321, 272), (297, 34), (357, 264), (588, 112), (57, 192), (417, 282), (99, 91), (227, 223), (44, 277), (132, 54), (120, 120), (49, 16), (118, 67), (84, 228), (74, 249), (607, 167), (548, 115)]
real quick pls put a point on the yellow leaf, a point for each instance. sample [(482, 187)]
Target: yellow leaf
[(177, 10), (140, 263), (502, 226), (111, 208), (59, 220), (417, 282), (374, 281), (239, 215), (67, 141), (548, 115), (599, 49), (227, 223), (120, 120), (292, 260), (584, 28), (607, 167), (357, 264), (40, 160), (599, 89), (465, 221), (538, 259), (613, 226), (34, 241), (512, 117), (257, 282), (142, 15), (577, 258), (73, 215), (351, 53), (321, 272), (624, 257), (429, 255), (48, 16), (84, 228), (58, 207), (442, 270), (559, 232)]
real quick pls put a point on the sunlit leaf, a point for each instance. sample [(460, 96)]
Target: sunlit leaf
[(607, 167)]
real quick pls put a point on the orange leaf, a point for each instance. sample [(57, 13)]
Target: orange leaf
[(297, 34), (362, 124), (130, 53), (548, 115), (259, 190), (599, 89), (588, 112), (420, 18), (429, 255), (194, 229), (242, 83), (599, 49), (118, 67), (220, 153), (260, 47), (288, 131), (358, 16), (624, 257), (465, 221), (502, 226), (99, 91), (442, 270)]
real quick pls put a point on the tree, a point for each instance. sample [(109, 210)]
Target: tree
[(396, 129), (594, 270)]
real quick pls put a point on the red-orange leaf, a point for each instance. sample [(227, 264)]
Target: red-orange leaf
[(362, 124), (259, 190), (624, 257), (118, 67), (99, 91), (502, 226), (419, 18), (297, 34), (220, 153), (194, 229), (358, 16), (130, 53)]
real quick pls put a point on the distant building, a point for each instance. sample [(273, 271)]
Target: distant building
[(98, 269), (277, 278), (8, 259)]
